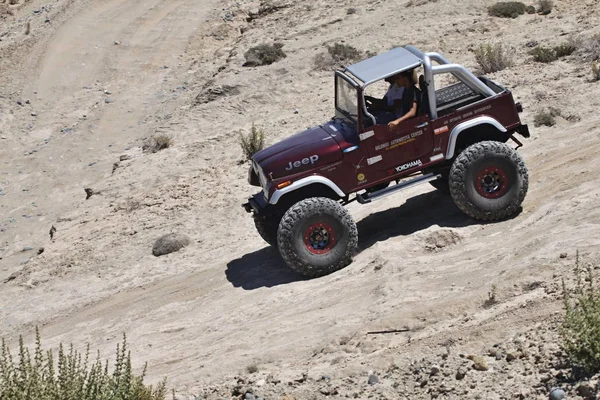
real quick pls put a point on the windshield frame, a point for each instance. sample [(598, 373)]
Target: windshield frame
[(344, 113)]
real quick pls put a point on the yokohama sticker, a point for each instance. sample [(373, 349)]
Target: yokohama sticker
[(404, 167)]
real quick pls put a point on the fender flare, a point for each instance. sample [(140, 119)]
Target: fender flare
[(309, 180), (468, 125)]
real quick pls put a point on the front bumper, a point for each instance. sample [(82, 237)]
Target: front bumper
[(257, 204), (524, 131)]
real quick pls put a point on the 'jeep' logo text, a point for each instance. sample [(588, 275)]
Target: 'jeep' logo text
[(412, 164), (304, 161)]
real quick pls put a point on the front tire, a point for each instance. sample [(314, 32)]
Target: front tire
[(317, 236), (267, 228), (489, 181)]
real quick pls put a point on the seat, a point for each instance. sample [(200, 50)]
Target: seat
[(424, 103)]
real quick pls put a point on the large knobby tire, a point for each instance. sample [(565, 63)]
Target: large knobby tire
[(317, 236), (489, 181), (267, 228)]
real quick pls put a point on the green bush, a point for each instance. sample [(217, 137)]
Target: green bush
[(581, 326), (492, 58), (264, 54), (253, 142), (565, 49), (543, 54), (343, 53), (545, 7), (35, 376), (530, 10), (507, 9)]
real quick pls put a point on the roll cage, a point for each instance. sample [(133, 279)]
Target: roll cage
[(374, 69)]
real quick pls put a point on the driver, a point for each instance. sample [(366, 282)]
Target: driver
[(390, 106), (411, 96)]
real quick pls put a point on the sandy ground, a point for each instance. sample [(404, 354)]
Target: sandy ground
[(92, 80)]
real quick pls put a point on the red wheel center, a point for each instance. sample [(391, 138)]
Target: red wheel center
[(491, 183), (319, 238)]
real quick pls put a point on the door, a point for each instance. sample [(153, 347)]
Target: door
[(400, 149)]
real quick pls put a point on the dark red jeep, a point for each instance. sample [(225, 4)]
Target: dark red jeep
[(457, 143)]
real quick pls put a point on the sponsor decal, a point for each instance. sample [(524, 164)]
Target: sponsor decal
[(366, 135), (437, 157), (404, 167), (437, 150), (305, 161), (374, 160), (401, 141), (441, 130), (361, 177), (467, 115)]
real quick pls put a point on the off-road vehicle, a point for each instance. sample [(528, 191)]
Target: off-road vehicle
[(457, 142)]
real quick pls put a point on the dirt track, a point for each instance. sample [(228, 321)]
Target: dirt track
[(227, 301)]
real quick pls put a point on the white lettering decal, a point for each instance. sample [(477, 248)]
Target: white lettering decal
[(366, 135), (297, 164), (382, 146), (412, 164), (374, 160)]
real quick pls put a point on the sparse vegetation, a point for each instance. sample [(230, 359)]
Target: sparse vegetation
[(492, 58), (595, 72), (507, 9), (28, 28), (264, 54), (543, 54), (157, 143), (343, 53), (35, 376), (253, 142), (546, 55), (581, 327), (252, 369), (492, 299), (351, 10), (545, 7), (530, 10), (545, 118)]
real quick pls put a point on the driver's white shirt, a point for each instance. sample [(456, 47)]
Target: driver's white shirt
[(394, 93)]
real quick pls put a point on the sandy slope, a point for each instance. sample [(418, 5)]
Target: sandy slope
[(227, 301)]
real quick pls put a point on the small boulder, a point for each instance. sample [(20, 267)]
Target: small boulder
[(557, 394), (169, 243), (373, 379), (585, 390), (479, 363)]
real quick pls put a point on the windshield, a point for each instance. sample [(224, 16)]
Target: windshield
[(346, 98)]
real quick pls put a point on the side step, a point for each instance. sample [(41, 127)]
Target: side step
[(369, 197)]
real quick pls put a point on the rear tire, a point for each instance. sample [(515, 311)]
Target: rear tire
[(317, 236), (489, 181), (267, 228)]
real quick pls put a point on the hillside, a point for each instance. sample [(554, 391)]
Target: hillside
[(83, 85)]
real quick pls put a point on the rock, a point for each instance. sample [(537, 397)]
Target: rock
[(88, 193), (297, 111), (41, 250), (441, 239), (512, 355), (532, 43), (169, 243), (461, 372), (33, 114), (249, 396), (27, 248), (108, 101), (557, 394), (20, 102), (563, 255), (373, 379), (117, 42), (585, 390), (260, 382), (434, 370), (479, 363)]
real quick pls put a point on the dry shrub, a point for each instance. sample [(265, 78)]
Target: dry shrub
[(565, 49), (157, 143), (595, 72), (545, 7), (253, 142), (35, 376), (264, 54), (581, 326), (492, 58), (351, 11), (343, 53), (545, 118), (507, 9), (413, 3), (589, 49), (530, 10)]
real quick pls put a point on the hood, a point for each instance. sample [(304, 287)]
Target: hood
[(304, 151)]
